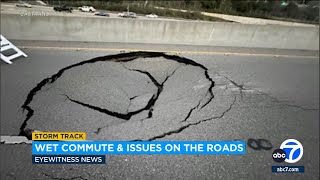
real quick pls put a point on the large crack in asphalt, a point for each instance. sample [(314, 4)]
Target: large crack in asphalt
[(191, 110), (241, 89), (125, 57), (128, 115), (155, 97), (193, 114), (176, 131), (50, 80)]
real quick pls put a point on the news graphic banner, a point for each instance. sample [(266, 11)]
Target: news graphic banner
[(138, 148), (73, 149), (55, 136)]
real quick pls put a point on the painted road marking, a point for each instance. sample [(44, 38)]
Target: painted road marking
[(168, 51), (6, 45), (15, 140)]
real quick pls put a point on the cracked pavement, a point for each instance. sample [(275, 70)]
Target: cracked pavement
[(160, 98), (134, 95)]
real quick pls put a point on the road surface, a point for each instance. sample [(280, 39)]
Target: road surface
[(247, 95)]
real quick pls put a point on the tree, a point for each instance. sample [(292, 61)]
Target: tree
[(205, 4), (225, 5), (291, 10)]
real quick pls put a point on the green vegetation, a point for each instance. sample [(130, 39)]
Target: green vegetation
[(294, 10)]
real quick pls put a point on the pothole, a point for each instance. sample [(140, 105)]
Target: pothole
[(129, 96)]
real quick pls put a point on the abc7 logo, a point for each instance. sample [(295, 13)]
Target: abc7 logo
[(290, 151), (279, 155)]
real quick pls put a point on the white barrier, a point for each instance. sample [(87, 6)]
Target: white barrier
[(151, 31), (6, 45)]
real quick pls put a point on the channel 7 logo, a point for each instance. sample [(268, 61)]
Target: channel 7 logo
[(290, 151)]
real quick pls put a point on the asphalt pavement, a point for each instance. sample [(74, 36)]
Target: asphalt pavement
[(187, 93)]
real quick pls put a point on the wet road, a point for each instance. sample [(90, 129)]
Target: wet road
[(208, 96)]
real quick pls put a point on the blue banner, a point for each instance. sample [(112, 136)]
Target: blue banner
[(138, 148)]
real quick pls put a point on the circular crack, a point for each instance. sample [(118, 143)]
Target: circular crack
[(143, 93)]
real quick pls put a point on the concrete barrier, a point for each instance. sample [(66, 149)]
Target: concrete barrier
[(99, 29)]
